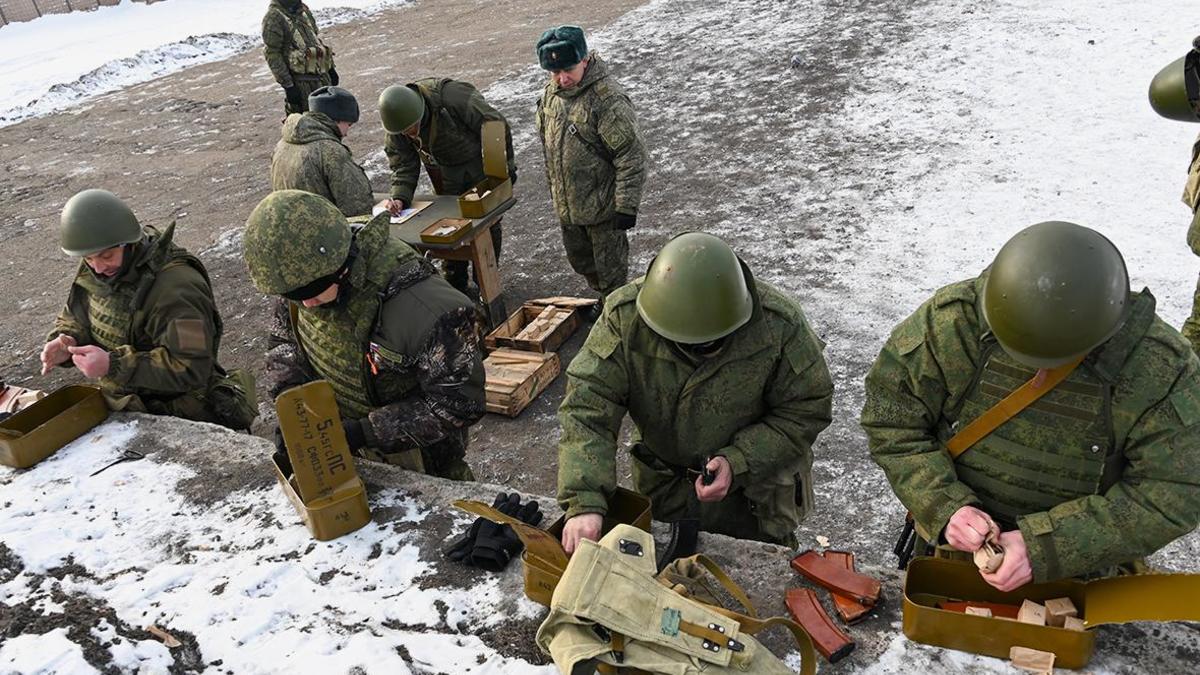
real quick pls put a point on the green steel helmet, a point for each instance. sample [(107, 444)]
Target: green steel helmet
[(1175, 90), (94, 220), (400, 107), (695, 290), (1055, 292), (293, 240)]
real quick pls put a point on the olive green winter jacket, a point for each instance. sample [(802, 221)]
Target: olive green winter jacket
[(311, 157)]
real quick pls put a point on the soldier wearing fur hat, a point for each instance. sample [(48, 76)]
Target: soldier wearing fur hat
[(595, 160), (313, 156)]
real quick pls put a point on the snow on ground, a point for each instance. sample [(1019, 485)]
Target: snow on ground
[(60, 60), (241, 575)]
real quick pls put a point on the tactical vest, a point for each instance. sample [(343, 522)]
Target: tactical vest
[(308, 54), (1061, 447), (113, 311), (337, 340)]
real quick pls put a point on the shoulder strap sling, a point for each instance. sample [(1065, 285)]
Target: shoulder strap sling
[(1021, 398)]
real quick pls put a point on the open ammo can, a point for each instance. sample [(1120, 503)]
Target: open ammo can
[(497, 187), (1145, 597), (38, 431), (341, 512)]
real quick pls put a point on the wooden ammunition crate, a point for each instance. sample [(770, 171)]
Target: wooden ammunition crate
[(515, 378)]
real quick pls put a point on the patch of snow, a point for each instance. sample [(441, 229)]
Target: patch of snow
[(47, 654), (60, 60)]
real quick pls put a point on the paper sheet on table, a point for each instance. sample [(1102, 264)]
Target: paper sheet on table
[(404, 215)]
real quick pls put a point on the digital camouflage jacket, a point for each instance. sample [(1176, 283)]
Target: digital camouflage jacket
[(595, 160), (311, 157), (400, 347), (760, 402), (292, 44), (448, 141), (1100, 471)]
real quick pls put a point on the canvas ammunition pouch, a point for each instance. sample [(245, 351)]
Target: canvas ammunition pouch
[(610, 612)]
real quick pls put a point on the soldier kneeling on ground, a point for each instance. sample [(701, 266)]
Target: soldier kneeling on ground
[(367, 313), (720, 373), (312, 154), (140, 318), (1099, 471)]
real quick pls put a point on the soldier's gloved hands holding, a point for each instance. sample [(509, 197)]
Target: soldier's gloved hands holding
[(91, 360), (55, 352), (1017, 570), (292, 94), (582, 526), (356, 438), (719, 487), (333, 77), (496, 544), (969, 528), (626, 221)]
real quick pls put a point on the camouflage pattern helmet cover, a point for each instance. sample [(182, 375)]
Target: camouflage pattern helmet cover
[(1055, 292), (293, 238), (400, 107), (338, 103), (1175, 90), (561, 48), (95, 220), (695, 290)]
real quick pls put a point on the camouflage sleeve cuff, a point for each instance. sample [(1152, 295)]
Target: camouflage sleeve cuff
[(585, 502), (1037, 529), (121, 363), (404, 194), (935, 519), (737, 459)]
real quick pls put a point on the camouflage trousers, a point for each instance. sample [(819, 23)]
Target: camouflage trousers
[(1191, 326), (600, 253), (455, 271), (307, 84), (773, 519)]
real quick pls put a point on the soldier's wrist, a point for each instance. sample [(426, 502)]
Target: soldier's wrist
[(736, 459)]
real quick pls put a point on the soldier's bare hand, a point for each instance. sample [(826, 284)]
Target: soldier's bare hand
[(582, 526), (394, 206), (55, 352), (969, 528), (715, 491), (91, 360), (1017, 570)]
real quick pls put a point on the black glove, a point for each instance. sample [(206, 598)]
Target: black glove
[(460, 549), (281, 455), (626, 221), (292, 94), (512, 175), (356, 438), (496, 545), (333, 77)]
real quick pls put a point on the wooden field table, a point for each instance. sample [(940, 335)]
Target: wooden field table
[(474, 247)]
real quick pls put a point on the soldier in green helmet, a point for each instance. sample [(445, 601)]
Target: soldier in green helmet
[(720, 373), (312, 154), (298, 57), (436, 122), (1175, 94), (1099, 471), (595, 160), (141, 320), (371, 316)]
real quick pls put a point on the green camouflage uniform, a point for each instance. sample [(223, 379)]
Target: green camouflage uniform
[(596, 164), (760, 402), (1191, 197), (294, 50), (1100, 471), (312, 157), (159, 323), (400, 348), (449, 147)]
